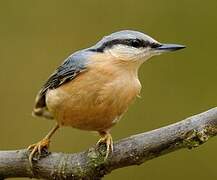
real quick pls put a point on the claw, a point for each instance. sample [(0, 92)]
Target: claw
[(106, 139), (37, 148)]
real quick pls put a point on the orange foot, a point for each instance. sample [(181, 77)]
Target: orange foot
[(106, 139), (37, 148)]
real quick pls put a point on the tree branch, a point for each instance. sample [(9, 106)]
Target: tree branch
[(133, 150)]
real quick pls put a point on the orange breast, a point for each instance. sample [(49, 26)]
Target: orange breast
[(94, 100)]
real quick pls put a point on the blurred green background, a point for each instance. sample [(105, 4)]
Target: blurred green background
[(35, 36)]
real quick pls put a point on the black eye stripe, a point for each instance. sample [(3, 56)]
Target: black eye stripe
[(137, 43), (155, 45), (129, 42)]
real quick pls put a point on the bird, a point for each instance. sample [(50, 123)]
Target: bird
[(93, 87)]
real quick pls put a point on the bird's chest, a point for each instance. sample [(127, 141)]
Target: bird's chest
[(118, 94), (93, 101)]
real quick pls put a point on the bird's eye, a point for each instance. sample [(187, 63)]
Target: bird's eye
[(135, 43)]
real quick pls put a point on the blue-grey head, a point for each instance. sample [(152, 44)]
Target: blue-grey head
[(131, 45)]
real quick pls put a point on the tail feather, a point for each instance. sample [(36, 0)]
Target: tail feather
[(42, 112)]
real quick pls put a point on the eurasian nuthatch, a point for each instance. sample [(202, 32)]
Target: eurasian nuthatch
[(93, 87)]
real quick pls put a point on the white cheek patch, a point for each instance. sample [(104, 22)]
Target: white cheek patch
[(128, 53), (125, 52)]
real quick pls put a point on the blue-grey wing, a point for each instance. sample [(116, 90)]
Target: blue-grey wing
[(71, 67)]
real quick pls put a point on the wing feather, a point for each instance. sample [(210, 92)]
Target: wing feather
[(66, 72)]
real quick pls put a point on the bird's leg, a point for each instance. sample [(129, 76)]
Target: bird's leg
[(106, 138), (43, 144)]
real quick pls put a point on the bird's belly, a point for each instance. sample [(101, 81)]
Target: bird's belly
[(87, 112), (87, 105), (87, 116)]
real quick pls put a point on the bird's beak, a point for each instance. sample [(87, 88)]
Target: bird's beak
[(168, 47)]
